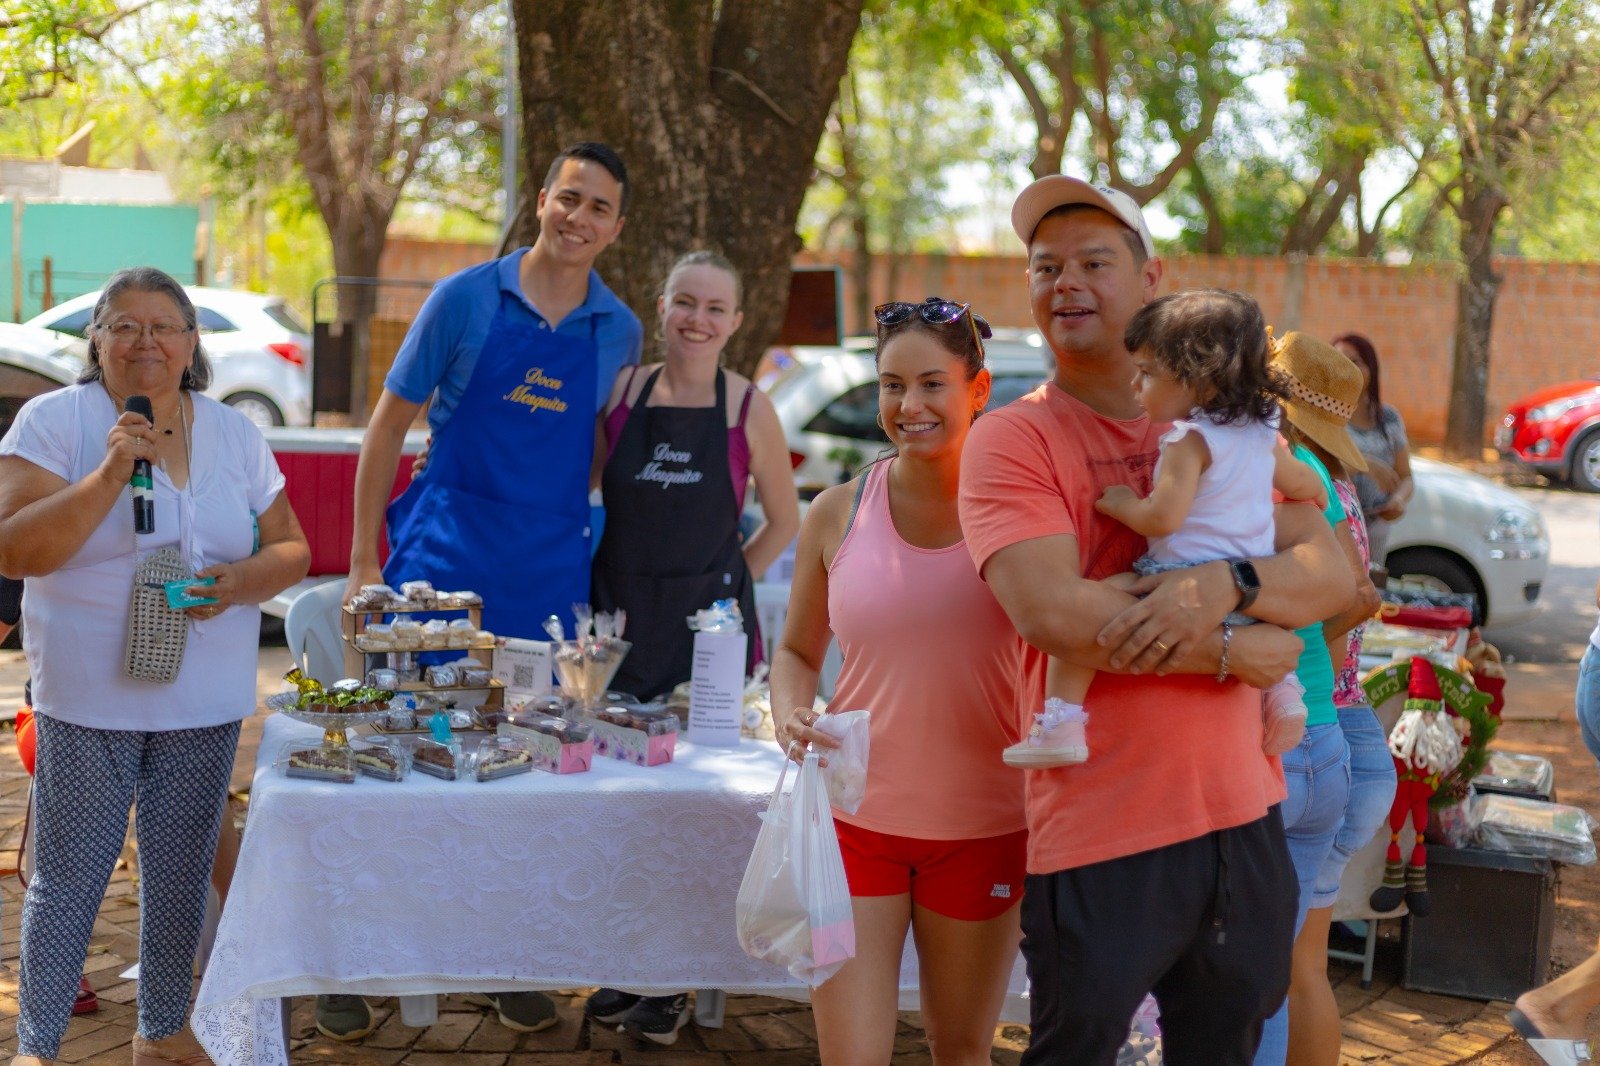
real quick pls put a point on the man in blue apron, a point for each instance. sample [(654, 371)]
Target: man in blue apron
[(517, 357)]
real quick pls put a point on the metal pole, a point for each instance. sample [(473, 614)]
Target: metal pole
[(509, 140), (16, 258)]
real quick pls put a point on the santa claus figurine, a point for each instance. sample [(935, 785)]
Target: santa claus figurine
[(1425, 744)]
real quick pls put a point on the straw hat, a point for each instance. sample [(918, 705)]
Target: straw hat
[(1324, 388)]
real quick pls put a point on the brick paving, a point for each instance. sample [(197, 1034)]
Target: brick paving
[(1383, 1024)]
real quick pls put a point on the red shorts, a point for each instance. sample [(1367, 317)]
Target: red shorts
[(971, 880)]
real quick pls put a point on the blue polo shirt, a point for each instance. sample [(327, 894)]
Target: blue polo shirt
[(441, 349)]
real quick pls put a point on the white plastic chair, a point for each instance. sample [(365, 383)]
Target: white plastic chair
[(312, 631)]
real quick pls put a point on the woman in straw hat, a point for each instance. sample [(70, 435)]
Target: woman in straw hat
[(1322, 392)]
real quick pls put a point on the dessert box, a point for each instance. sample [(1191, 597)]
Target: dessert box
[(317, 762), (502, 756), (644, 736), (384, 759), (557, 746), (444, 761)]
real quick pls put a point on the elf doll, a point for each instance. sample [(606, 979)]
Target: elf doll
[(1425, 744)]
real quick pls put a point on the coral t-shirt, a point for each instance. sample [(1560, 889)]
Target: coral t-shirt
[(1170, 758)]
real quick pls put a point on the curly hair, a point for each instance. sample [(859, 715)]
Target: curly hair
[(1213, 342)]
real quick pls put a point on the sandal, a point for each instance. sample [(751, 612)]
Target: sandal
[(87, 1002), (149, 1056), (1553, 1051)]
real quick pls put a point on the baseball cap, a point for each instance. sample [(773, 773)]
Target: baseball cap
[(1058, 190)]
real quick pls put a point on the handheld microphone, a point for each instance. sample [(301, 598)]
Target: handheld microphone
[(143, 484)]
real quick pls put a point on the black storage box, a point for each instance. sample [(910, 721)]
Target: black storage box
[(1488, 933)]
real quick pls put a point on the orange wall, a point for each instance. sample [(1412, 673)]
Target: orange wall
[(1547, 318)]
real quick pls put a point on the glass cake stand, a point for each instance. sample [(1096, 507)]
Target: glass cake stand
[(332, 723)]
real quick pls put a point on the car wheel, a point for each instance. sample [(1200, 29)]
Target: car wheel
[(256, 407), (1437, 570), (1586, 462)]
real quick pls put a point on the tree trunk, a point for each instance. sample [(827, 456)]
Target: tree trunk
[(1475, 295), (357, 230), (717, 110)]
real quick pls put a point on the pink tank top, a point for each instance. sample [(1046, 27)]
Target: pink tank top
[(929, 651)]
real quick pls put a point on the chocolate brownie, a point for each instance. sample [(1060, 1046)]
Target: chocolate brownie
[(319, 764), (436, 760)]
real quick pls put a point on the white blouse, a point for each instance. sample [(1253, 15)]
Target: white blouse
[(76, 619)]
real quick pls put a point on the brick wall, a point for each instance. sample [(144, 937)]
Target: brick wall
[(1547, 318)]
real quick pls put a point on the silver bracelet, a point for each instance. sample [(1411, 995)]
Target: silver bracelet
[(1222, 664)]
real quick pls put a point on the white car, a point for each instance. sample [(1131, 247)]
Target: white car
[(258, 349), (1462, 533)]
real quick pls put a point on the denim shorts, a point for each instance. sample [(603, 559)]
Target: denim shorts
[(1372, 781), (1588, 699), (1317, 773)]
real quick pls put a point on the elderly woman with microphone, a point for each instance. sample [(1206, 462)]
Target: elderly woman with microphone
[(138, 689)]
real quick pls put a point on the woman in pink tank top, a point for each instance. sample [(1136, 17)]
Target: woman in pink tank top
[(937, 845)]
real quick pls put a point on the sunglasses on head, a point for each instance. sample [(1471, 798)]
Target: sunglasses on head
[(933, 312)]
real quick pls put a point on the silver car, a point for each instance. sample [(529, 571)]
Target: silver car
[(1461, 533), (258, 349)]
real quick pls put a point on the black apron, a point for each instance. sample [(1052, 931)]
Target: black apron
[(671, 541)]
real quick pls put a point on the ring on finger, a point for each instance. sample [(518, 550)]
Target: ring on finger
[(1161, 646)]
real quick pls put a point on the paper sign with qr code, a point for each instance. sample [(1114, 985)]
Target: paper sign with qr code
[(523, 666)]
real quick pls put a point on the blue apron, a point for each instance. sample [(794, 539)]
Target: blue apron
[(502, 508)]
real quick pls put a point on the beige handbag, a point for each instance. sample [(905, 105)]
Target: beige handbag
[(157, 634)]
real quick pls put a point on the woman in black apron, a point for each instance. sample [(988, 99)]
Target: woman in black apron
[(683, 438)]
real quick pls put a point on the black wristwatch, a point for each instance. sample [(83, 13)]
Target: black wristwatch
[(1246, 581)]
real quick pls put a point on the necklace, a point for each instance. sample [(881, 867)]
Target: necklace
[(179, 417), (121, 403)]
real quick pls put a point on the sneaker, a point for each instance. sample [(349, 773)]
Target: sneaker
[(608, 1006), (525, 1012), (1059, 745), (1283, 712), (658, 1018), (343, 1017)]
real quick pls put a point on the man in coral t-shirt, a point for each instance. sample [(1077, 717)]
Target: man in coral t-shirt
[(1158, 865)]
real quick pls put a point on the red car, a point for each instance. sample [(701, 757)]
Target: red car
[(1556, 431)]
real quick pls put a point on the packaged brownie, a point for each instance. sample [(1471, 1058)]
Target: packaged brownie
[(654, 721), (436, 634), (407, 634), (378, 757), (317, 763), (379, 636), (384, 678), (461, 633), (502, 757), (444, 761), (419, 593), (442, 676)]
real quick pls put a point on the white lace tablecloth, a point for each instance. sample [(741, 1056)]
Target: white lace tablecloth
[(623, 876)]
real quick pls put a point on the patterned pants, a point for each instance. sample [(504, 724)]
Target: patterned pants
[(86, 781)]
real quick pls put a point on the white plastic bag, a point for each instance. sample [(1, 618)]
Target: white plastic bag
[(846, 772), (794, 905)]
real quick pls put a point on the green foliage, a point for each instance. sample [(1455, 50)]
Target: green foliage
[(912, 118), (44, 45)]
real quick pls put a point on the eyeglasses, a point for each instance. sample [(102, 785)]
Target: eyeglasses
[(126, 332), (933, 312)]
